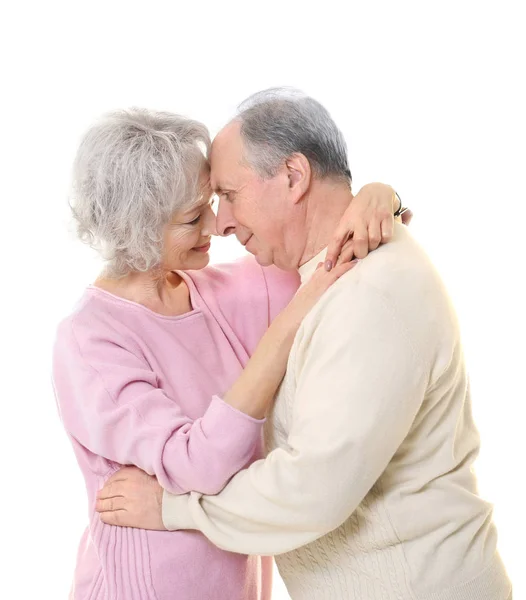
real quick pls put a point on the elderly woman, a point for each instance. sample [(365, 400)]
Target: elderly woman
[(165, 363)]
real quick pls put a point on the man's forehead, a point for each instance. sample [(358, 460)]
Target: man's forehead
[(229, 134), (218, 178), (225, 157)]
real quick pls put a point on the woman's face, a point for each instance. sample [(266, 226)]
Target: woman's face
[(187, 238)]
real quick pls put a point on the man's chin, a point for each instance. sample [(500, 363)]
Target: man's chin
[(263, 261)]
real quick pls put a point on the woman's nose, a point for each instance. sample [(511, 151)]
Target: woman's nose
[(210, 223)]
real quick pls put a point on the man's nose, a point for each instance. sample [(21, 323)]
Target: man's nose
[(225, 223)]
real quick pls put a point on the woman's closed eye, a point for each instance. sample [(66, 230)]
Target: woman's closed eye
[(203, 209), (195, 221)]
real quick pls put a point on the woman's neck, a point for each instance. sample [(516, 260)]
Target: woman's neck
[(164, 292)]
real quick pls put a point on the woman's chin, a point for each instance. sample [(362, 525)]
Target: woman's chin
[(198, 262), (193, 261)]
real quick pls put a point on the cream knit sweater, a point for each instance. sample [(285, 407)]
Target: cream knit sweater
[(367, 492)]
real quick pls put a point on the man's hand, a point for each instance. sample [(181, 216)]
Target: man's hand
[(131, 498)]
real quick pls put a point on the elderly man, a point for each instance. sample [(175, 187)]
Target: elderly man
[(367, 491)]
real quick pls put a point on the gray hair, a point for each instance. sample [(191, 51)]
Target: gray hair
[(135, 168), (279, 122)]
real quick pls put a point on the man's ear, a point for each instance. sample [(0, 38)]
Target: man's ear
[(299, 174)]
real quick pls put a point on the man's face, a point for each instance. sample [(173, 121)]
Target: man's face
[(253, 208)]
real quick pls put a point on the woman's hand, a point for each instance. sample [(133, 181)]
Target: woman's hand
[(367, 223), (309, 294)]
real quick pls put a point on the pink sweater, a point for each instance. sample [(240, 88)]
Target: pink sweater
[(135, 387)]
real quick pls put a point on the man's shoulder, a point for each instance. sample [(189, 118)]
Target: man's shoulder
[(400, 271), (398, 279), (396, 266), (403, 256)]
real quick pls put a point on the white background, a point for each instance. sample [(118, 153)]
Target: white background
[(431, 99)]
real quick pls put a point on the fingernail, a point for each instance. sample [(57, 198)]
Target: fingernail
[(328, 265)]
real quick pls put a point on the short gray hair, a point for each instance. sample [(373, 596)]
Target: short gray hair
[(135, 168), (279, 122)]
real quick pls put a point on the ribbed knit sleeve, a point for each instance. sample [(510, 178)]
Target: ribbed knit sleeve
[(111, 402)]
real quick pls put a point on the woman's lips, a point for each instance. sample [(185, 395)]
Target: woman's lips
[(204, 248)]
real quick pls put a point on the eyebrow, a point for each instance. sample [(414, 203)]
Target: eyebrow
[(221, 190)]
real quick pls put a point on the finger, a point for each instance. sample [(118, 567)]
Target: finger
[(340, 270), (387, 228), (347, 253), (361, 240), (123, 474), (117, 518), (324, 280), (111, 489), (109, 504), (407, 216), (119, 475), (335, 246), (375, 234)]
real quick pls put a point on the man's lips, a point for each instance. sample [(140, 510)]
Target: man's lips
[(246, 241)]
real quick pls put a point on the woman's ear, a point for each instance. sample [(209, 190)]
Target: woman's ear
[(299, 174)]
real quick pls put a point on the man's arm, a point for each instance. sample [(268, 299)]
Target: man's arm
[(360, 383)]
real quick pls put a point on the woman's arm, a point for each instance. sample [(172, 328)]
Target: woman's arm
[(110, 401), (254, 390), (367, 223)]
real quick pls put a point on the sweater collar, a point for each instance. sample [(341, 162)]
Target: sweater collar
[(307, 270)]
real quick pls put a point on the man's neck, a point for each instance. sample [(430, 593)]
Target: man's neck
[(327, 203)]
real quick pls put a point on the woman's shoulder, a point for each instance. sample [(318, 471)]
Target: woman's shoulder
[(96, 318)]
